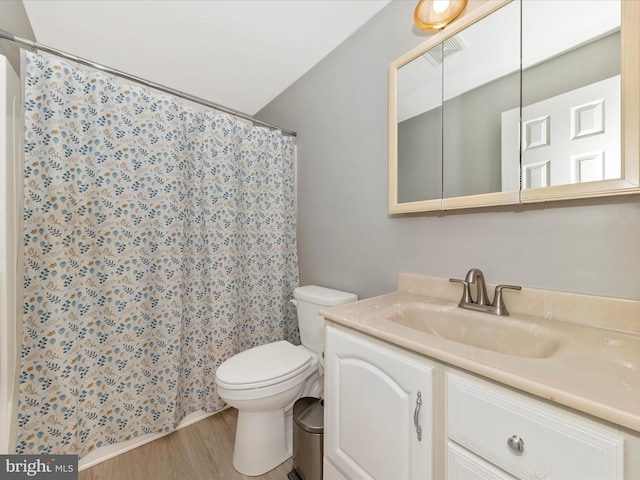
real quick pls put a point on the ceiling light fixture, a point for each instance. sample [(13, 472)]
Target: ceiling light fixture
[(437, 14)]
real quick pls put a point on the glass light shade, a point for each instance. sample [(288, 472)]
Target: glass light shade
[(436, 14)]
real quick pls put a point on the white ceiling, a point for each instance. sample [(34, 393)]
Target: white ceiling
[(237, 53)]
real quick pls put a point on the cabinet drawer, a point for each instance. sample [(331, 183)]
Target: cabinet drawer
[(464, 465), (483, 417)]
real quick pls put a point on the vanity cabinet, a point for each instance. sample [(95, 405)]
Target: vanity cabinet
[(378, 409), (503, 430), (472, 428)]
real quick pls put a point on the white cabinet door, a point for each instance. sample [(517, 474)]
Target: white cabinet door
[(373, 395)]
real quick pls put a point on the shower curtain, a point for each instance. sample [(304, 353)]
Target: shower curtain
[(159, 241)]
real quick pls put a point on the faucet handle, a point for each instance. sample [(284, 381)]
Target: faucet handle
[(498, 300), (466, 294)]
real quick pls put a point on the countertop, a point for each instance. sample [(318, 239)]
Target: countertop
[(592, 369)]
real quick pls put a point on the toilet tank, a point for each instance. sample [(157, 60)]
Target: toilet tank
[(309, 300)]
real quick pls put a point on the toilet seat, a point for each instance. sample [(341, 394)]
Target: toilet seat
[(263, 366)]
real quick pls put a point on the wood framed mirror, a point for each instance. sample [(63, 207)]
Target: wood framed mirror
[(511, 103)]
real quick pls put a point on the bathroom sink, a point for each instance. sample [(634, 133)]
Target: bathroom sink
[(505, 335)]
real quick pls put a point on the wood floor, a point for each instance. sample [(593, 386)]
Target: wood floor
[(202, 451)]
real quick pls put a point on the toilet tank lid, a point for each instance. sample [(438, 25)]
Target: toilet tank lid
[(323, 296)]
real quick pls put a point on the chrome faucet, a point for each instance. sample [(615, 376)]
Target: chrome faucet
[(481, 303), (475, 276)]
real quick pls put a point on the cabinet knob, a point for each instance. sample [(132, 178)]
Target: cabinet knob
[(516, 444)]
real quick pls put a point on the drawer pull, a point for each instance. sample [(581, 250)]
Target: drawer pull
[(416, 420), (516, 444)]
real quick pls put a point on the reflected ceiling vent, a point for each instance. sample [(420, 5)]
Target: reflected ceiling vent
[(448, 47)]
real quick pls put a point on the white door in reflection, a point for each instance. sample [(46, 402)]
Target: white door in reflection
[(570, 138)]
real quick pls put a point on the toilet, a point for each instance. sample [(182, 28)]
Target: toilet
[(264, 382)]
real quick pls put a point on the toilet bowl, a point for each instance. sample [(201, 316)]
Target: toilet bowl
[(264, 382)]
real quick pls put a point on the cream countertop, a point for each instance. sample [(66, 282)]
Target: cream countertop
[(594, 368)]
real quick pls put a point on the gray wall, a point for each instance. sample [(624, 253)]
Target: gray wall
[(583, 66), (420, 157), (13, 18), (474, 165), (348, 241)]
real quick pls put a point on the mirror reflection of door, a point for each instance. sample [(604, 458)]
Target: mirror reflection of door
[(573, 137), (571, 116)]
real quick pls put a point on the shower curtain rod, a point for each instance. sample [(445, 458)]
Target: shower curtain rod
[(38, 46)]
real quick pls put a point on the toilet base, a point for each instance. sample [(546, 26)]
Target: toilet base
[(261, 442)]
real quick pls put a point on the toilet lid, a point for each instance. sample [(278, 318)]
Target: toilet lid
[(263, 366)]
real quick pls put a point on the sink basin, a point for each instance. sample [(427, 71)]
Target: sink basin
[(505, 335)]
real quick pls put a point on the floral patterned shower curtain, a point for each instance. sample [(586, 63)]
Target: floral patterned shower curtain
[(159, 241)]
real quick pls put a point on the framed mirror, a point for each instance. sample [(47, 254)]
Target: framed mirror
[(516, 102)]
